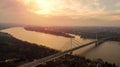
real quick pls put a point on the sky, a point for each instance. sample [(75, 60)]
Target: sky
[(61, 12)]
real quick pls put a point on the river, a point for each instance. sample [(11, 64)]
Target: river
[(108, 51)]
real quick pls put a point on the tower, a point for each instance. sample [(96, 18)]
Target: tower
[(71, 45), (96, 43)]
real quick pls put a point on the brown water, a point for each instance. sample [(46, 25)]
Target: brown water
[(108, 51)]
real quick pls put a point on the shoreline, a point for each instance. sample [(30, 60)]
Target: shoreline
[(23, 52), (48, 31)]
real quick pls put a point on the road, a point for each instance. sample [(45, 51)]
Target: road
[(49, 58)]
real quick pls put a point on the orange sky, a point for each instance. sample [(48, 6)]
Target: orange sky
[(61, 12)]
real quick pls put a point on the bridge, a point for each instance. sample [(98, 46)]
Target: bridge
[(60, 54)]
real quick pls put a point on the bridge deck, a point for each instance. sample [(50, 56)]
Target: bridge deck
[(49, 58)]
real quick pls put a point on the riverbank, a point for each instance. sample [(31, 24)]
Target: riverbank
[(15, 52), (90, 33), (48, 31), (76, 61)]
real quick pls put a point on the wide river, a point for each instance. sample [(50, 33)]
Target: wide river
[(108, 51)]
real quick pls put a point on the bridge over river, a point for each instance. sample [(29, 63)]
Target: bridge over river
[(60, 54)]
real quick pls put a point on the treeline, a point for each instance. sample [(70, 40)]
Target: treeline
[(14, 51), (49, 31), (76, 61), (89, 32)]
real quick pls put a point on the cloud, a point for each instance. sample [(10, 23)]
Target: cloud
[(117, 4), (65, 12), (10, 5), (72, 7), (80, 7)]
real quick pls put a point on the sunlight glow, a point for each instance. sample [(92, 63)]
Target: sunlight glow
[(45, 7), (39, 6), (71, 8)]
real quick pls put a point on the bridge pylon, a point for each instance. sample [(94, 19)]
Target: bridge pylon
[(96, 43), (71, 45)]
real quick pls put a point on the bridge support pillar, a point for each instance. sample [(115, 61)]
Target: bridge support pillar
[(71, 53), (96, 43), (71, 46)]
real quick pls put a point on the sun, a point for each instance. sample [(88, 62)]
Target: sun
[(44, 7)]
